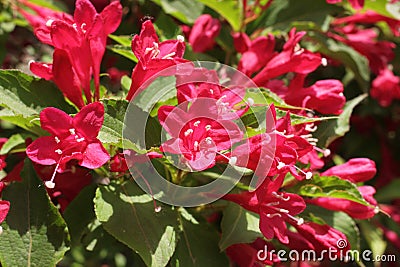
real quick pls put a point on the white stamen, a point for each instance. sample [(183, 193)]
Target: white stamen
[(49, 22), (75, 26), (1, 230), (280, 196), (376, 210), (57, 139), (180, 38), (58, 151), (83, 25), (299, 52), (196, 145), (232, 160), (209, 140), (208, 127), (157, 209), (300, 221), (211, 91), (310, 127), (72, 131), (80, 139), (30, 62), (188, 131), (324, 62), (309, 175), (196, 123), (280, 165), (50, 184), (250, 101), (284, 211), (169, 56)]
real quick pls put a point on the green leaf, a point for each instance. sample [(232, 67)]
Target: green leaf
[(80, 213), (238, 226), (354, 61), (194, 238), (338, 220), (123, 51), (374, 237), (186, 11), (231, 10), (34, 233), (124, 40), (128, 214), (284, 13), (383, 7), (389, 192), (329, 131), (111, 131), (22, 97), (14, 141), (329, 186)]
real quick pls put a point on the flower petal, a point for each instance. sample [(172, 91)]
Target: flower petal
[(95, 156), (89, 120), (42, 151)]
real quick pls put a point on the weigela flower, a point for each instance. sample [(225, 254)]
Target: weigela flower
[(152, 55), (197, 134), (275, 208), (370, 17), (255, 53), (356, 4), (324, 96), (4, 207), (386, 87), (291, 59), (71, 139), (274, 152), (354, 209), (246, 255), (323, 237), (79, 47), (355, 170), (364, 41), (207, 86), (203, 33)]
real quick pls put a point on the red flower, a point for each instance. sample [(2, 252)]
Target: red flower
[(4, 207), (275, 208), (207, 86), (198, 134), (356, 4), (203, 33), (354, 209), (71, 139), (79, 47), (324, 237), (325, 96), (386, 87), (255, 53), (291, 59), (370, 17), (355, 170), (153, 56)]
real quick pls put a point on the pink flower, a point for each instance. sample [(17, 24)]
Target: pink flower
[(152, 55), (354, 209), (355, 170), (207, 85), (324, 237), (370, 17), (291, 59), (356, 4), (79, 47), (4, 207), (274, 208), (255, 53), (203, 33), (197, 134), (386, 87), (378, 53), (325, 96), (71, 139)]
